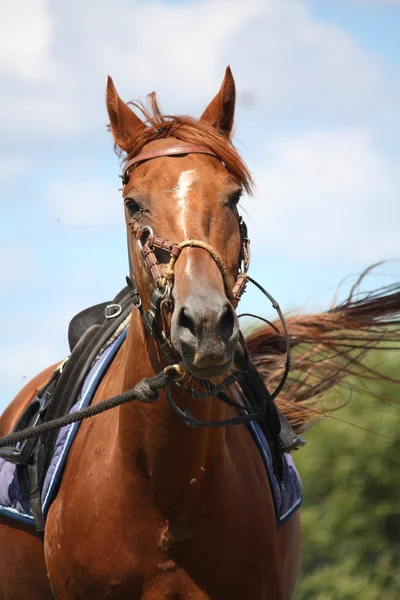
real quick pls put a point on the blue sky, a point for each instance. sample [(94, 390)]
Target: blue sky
[(375, 25), (317, 121)]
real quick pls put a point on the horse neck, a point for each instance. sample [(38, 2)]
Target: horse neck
[(168, 452)]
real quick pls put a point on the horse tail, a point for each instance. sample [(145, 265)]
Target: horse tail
[(328, 350)]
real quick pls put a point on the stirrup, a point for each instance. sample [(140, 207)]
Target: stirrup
[(21, 454), (288, 438)]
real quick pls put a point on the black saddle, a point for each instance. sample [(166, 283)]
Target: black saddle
[(98, 315), (88, 332), (94, 315)]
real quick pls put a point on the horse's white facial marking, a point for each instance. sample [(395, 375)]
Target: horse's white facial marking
[(185, 180), (182, 190)]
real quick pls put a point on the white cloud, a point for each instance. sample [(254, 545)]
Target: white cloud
[(84, 203), (18, 364), (10, 169), (327, 194), (278, 53), (33, 340), (294, 63), (18, 265), (25, 39)]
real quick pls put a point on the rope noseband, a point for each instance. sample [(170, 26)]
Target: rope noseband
[(169, 273)]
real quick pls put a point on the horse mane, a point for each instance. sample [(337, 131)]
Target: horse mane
[(189, 130), (327, 349)]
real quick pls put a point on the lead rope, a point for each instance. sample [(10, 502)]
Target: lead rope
[(145, 391)]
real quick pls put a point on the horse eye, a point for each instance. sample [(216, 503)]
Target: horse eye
[(133, 207), (234, 199)]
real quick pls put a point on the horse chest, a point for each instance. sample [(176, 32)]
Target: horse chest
[(112, 534), (144, 556)]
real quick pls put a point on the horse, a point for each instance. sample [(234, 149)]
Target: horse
[(149, 508)]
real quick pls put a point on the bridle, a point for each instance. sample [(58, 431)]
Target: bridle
[(163, 275), (164, 278), (155, 320)]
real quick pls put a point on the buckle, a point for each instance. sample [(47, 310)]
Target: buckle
[(112, 311), (179, 370)]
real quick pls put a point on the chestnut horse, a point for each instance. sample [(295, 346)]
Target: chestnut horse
[(149, 508)]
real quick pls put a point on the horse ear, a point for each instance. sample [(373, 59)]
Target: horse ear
[(221, 111), (124, 123)]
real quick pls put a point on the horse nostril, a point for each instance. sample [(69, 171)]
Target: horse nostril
[(205, 331), (186, 322), (227, 324)]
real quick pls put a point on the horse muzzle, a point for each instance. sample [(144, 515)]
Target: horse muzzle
[(205, 332)]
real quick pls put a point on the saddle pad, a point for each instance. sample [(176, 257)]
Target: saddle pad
[(287, 495), (14, 504)]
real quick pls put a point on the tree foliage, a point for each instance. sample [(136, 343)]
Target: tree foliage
[(351, 508)]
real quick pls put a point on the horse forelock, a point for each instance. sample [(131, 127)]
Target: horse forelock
[(189, 130)]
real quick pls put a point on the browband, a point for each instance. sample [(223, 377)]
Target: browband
[(174, 151)]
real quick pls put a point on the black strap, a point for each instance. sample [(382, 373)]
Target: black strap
[(253, 387)]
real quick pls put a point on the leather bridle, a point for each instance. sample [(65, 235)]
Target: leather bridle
[(155, 320), (162, 274), (171, 151)]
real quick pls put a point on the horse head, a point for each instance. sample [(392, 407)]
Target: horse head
[(182, 182)]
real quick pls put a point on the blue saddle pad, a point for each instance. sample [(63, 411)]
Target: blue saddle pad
[(14, 504)]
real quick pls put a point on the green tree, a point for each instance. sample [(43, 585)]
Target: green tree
[(351, 509)]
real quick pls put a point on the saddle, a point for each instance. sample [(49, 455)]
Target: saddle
[(88, 333)]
